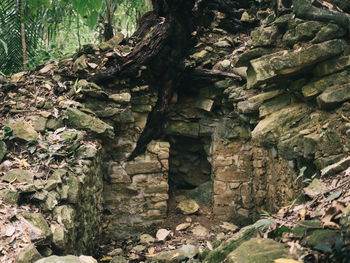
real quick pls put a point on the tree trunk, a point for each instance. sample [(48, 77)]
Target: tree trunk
[(23, 36), (108, 32), (163, 52)]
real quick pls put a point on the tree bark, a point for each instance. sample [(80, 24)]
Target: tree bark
[(23, 36), (166, 38)]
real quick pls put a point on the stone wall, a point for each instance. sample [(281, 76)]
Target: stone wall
[(255, 140), (136, 193)]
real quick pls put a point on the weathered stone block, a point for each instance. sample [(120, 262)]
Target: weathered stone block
[(39, 230), (205, 104), (119, 175), (269, 67), (28, 255), (274, 105), (143, 167), (65, 214), (268, 131), (302, 32), (262, 250), (220, 187), (120, 97), (18, 175), (22, 129), (331, 66), (334, 96), (224, 199), (80, 120), (3, 150), (231, 175), (317, 86), (189, 129), (264, 36)]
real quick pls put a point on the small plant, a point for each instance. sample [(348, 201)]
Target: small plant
[(32, 146), (7, 133)]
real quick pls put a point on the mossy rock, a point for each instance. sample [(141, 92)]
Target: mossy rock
[(220, 253), (3, 150), (9, 196), (303, 227), (258, 250), (322, 238)]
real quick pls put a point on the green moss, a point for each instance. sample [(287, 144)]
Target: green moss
[(219, 254)]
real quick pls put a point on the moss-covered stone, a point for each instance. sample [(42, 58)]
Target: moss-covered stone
[(258, 250), (28, 255), (269, 130), (3, 150), (189, 129), (331, 66), (304, 227), (220, 253), (317, 86), (322, 237), (264, 36), (38, 222), (9, 196), (22, 129), (80, 120), (18, 175), (283, 63), (329, 31)]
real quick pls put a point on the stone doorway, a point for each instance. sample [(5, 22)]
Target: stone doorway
[(190, 170)]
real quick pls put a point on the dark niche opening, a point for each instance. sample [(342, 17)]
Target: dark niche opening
[(188, 163)]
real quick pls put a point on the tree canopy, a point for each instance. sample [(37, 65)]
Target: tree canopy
[(32, 31)]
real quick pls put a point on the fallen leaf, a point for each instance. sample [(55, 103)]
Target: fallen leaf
[(335, 195), (331, 225), (108, 258), (47, 86), (25, 163), (302, 213), (10, 230)]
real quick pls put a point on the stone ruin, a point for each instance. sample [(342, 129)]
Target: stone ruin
[(242, 145)]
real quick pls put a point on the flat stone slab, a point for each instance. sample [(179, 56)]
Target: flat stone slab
[(336, 168), (334, 96), (283, 63), (273, 126), (80, 120), (18, 175), (313, 88), (258, 250), (22, 129), (67, 259), (177, 255), (28, 254)]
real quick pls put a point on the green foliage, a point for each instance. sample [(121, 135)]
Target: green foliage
[(261, 224), (52, 27)]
